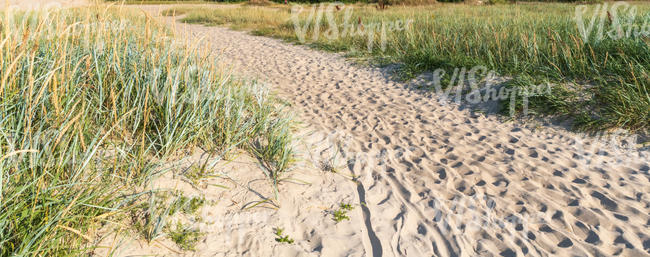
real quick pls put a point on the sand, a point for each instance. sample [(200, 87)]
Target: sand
[(426, 177)]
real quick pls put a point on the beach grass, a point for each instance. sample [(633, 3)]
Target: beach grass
[(598, 84), (93, 101)]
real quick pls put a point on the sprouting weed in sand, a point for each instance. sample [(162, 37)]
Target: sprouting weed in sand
[(346, 206), (184, 237), (342, 213), (149, 217), (194, 174), (281, 238), (187, 205)]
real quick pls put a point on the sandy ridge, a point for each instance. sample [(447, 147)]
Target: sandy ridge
[(428, 172)]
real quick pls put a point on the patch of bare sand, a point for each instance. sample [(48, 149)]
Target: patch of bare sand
[(431, 179), (240, 213)]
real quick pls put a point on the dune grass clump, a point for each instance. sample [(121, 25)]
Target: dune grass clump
[(532, 43), (92, 102)]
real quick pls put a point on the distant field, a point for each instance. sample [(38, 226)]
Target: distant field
[(159, 1), (533, 42)]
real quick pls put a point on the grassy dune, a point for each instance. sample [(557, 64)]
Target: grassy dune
[(533, 43), (92, 102)]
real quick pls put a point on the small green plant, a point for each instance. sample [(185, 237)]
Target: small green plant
[(186, 204), (195, 174), (346, 206), (195, 204), (185, 238), (342, 213), (149, 217), (282, 238)]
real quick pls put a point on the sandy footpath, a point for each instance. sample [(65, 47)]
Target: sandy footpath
[(431, 179)]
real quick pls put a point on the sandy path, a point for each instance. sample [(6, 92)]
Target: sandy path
[(436, 180)]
